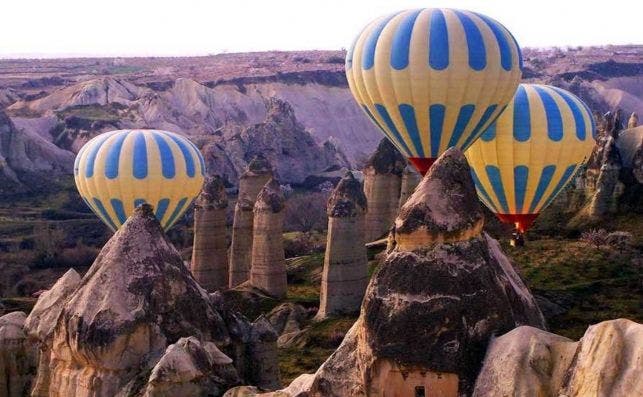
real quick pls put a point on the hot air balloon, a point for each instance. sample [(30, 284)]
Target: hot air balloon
[(433, 78), (117, 171), (531, 152)]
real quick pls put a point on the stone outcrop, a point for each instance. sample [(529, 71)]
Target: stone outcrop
[(431, 308), (138, 323), (345, 272), (410, 180), (268, 269), (191, 367), (606, 195), (633, 122), (210, 248), (382, 183), (17, 356), (259, 172), (263, 347), (287, 319), (607, 361)]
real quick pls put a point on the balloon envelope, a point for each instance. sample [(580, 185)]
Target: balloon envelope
[(531, 152), (117, 171), (433, 78)]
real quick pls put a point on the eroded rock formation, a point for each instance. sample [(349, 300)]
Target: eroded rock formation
[(268, 269), (138, 323), (210, 248), (382, 182), (17, 356), (431, 308), (531, 362), (410, 180), (259, 172), (345, 273)]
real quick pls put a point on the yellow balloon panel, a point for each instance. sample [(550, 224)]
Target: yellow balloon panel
[(433, 78), (532, 151), (117, 171)]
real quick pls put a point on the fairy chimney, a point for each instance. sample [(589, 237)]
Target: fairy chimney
[(210, 248), (410, 180), (382, 182), (345, 273), (268, 269), (259, 172), (633, 122), (431, 308)]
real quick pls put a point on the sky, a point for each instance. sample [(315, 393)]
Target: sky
[(51, 28)]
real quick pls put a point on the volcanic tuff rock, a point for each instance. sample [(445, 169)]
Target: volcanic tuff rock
[(433, 305), (210, 248), (268, 269), (258, 173), (607, 361), (345, 272), (17, 356), (25, 157), (382, 183), (137, 323)]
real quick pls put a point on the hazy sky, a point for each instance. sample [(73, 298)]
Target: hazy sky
[(193, 27)]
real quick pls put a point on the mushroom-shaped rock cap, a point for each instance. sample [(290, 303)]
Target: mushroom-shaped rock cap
[(213, 194), (386, 159), (348, 198), (443, 208), (259, 165), (270, 198)]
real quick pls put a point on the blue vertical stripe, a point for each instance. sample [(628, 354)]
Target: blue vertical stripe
[(113, 156), (517, 49), (521, 177), (401, 45), (475, 43), (482, 190), (438, 41), (138, 202), (552, 113), (567, 175), (544, 181), (161, 208), (167, 158), (176, 212), (373, 119), (486, 116), (464, 116), (493, 173), (591, 118), (199, 156), (139, 163), (104, 214), (436, 121), (579, 121), (117, 205), (391, 127), (503, 44), (187, 156), (368, 54), (408, 115), (489, 134), (93, 152), (522, 115)]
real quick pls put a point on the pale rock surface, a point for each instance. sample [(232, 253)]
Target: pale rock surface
[(17, 356), (432, 307), (210, 248), (137, 298), (345, 271), (257, 174), (410, 180), (268, 269), (287, 320), (382, 183), (606, 362), (191, 367)]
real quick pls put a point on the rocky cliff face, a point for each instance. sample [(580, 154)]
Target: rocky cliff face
[(433, 305), (531, 362), (136, 324)]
